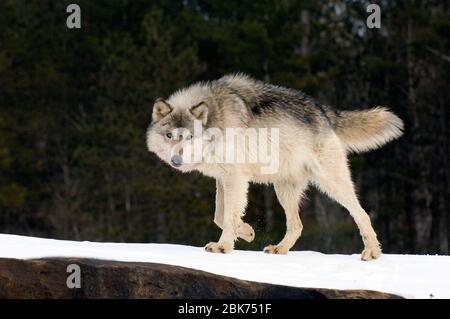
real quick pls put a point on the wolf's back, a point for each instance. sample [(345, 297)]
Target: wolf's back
[(361, 131)]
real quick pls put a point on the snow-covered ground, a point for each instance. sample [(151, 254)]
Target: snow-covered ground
[(411, 276)]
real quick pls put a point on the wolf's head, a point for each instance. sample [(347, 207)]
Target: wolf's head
[(172, 129)]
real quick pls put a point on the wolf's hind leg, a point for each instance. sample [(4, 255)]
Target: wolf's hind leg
[(289, 195), (244, 230), (336, 181)]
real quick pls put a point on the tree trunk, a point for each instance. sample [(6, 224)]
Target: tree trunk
[(421, 196), (304, 19), (268, 193)]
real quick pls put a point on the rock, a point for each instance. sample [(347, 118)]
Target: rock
[(46, 278)]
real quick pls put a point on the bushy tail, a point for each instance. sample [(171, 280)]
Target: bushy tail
[(361, 131)]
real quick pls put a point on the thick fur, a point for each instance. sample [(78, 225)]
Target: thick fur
[(362, 131), (314, 142)]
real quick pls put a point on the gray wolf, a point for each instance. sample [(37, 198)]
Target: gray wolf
[(314, 141)]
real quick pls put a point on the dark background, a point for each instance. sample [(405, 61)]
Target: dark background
[(75, 104)]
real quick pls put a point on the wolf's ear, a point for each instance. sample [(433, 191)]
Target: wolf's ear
[(160, 109), (200, 112)]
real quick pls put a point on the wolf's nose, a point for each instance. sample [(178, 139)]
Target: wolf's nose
[(176, 160)]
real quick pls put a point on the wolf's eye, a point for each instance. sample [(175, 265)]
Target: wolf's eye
[(189, 137), (169, 135)]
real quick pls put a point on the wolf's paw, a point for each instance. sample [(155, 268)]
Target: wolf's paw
[(370, 253), (213, 247), (246, 232), (276, 249)]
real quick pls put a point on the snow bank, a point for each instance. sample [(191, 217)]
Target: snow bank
[(411, 276)]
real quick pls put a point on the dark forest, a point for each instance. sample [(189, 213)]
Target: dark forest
[(75, 105)]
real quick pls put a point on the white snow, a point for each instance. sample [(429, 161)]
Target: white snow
[(411, 276)]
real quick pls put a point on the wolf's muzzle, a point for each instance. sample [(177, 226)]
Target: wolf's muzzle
[(176, 160)]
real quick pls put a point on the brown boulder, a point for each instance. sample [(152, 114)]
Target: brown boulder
[(46, 278)]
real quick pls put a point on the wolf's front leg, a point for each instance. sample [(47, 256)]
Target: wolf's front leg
[(218, 214), (234, 203), (289, 194), (244, 230)]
